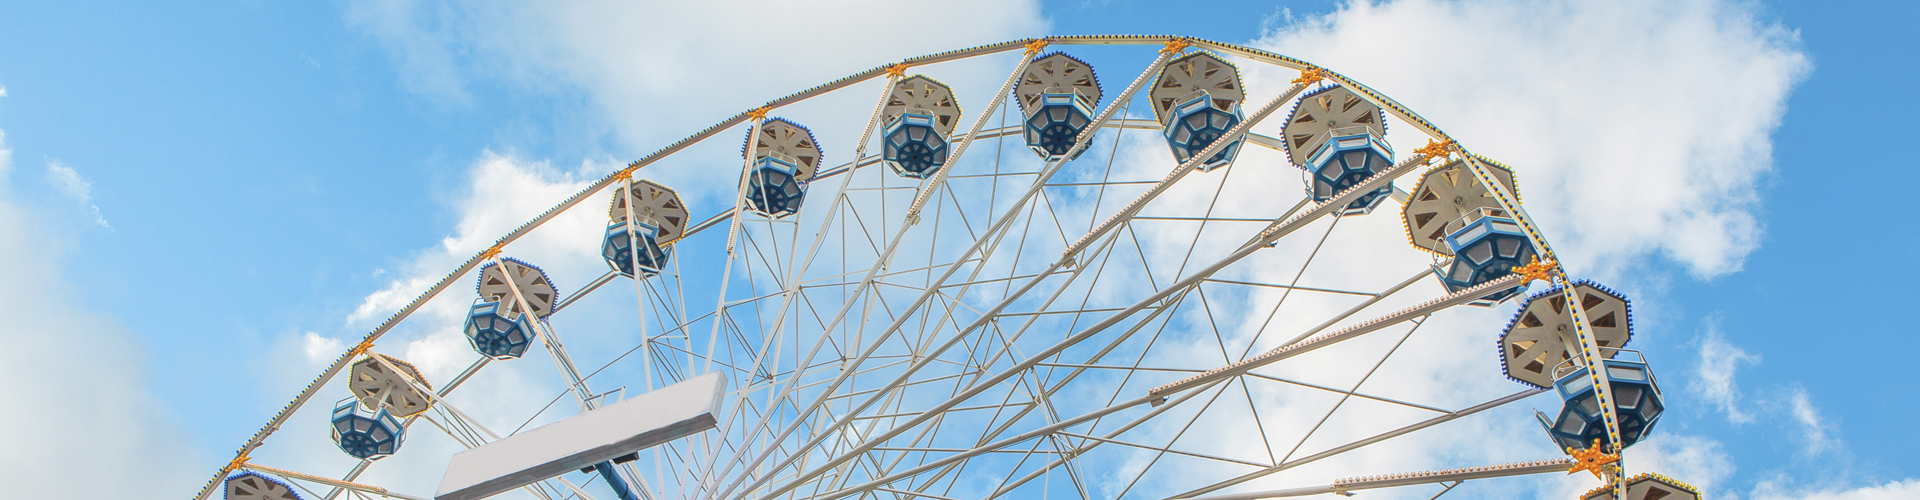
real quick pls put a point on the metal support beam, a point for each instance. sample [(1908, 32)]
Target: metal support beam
[(1364, 442), (351, 486), (1347, 486), (1309, 345)]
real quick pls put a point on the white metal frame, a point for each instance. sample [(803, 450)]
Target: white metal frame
[(816, 425)]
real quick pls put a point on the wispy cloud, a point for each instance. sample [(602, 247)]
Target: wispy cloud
[(82, 376), (1669, 172), (1714, 374), (319, 349), (1813, 429), (69, 182), (1892, 490), (659, 69)]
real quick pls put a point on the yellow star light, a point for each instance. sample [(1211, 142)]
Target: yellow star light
[(1310, 75), (1592, 460), (1538, 270), (1436, 150), (1175, 46), (238, 461), (1036, 45), (897, 70), (759, 113)]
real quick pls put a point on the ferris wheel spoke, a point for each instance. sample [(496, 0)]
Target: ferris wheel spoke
[(1333, 291), (1336, 390), (1220, 341), (1185, 168), (1000, 223), (1347, 394), (1337, 450), (1112, 320), (1290, 350), (984, 385), (1041, 400), (1160, 452), (1287, 292)]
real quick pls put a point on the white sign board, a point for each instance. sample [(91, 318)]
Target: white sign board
[(645, 421)]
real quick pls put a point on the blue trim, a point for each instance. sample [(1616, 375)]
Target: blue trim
[(614, 249), (478, 280), (772, 190), (381, 438), (1053, 128), (1197, 124), (619, 484), (226, 491), (913, 147), (746, 143)]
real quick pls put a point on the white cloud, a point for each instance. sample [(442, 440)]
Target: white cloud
[(69, 182), (319, 349), (1714, 373), (501, 193), (1893, 490), (1700, 461), (1813, 429), (1640, 133), (77, 378), (1638, 128), (421, 48), (1715, 382), (660, 69)]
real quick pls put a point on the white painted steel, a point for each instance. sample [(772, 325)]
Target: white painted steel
[(926, 332), (642, 422)]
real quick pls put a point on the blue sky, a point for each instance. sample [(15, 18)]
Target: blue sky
[(208, 183)]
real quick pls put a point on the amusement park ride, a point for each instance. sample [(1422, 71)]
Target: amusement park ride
[(959, 341)]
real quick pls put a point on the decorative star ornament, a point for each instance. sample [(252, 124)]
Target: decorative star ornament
[(1436, 150), (1537, 270), (1592, 460), (1310, 75), (1035, 46), (1175, 46), (897, 70)]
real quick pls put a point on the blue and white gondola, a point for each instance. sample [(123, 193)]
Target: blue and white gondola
[(1487, 244), (920, 117), (1197, 100), (1057, 94)]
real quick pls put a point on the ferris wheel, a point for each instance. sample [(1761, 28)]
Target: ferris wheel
[(938, 315)]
